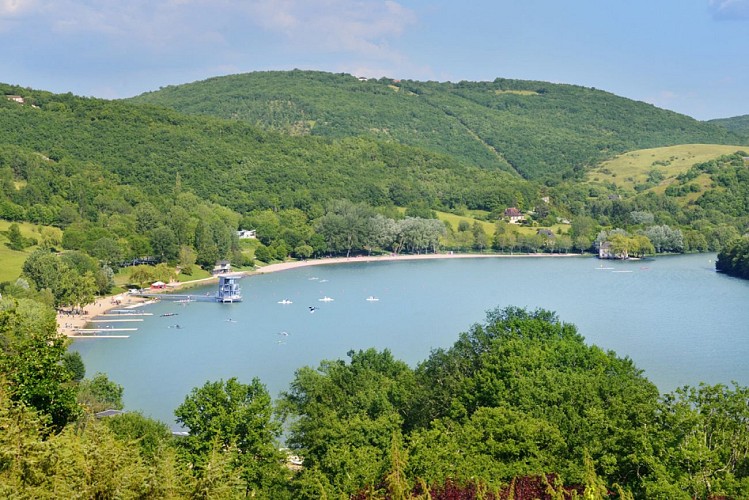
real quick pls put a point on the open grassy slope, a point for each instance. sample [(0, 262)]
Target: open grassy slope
[(636, 167), (11, 261), (534, 129)]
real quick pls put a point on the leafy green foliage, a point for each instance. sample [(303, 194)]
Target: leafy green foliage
[(100, 393), (73, 278), (737, 124), (74, 364), (518, 397), (86, 461), (537, 129), (235, 420), (703, 449), (734, 259), (31, 354), (345, 416)]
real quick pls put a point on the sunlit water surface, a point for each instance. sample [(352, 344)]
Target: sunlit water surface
[(679, 320)]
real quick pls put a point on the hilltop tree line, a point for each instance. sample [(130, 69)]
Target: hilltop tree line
[(518, 407), (539, 130)]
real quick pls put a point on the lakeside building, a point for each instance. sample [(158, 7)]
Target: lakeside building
[(228, 288)]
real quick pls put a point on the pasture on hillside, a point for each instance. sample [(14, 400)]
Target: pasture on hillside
[(656, 167), (11, 261)]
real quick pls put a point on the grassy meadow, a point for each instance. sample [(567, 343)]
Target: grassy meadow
[(489, 227), (633, 168), (11, 261)]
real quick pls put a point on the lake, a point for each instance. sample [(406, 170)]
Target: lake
[(679, 320)]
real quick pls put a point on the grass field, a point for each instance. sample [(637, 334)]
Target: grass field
[(490, 226), (454, 220), (12, 261), (630, 169)]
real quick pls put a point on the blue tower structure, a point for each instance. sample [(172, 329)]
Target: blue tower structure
[(228, 288)]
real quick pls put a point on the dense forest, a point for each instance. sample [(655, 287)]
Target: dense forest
[(536, 129), (738, 124)]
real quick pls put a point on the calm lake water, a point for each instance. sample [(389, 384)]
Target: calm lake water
[(679, 320)]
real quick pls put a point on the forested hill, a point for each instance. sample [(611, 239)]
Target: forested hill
[(50, 141), (737, 124), (536, 129)]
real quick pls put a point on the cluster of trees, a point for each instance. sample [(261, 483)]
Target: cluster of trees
[(507, 238), (518, 404), (647, 241), (734, 259), (348, 227), (518, 395), (16, 241), (72, 279)]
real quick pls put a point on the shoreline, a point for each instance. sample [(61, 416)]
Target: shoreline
[(68, 325), (283, 266)]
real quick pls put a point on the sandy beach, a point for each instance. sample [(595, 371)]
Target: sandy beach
[(70, 325)]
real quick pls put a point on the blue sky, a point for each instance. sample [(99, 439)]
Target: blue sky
[(689, 56)]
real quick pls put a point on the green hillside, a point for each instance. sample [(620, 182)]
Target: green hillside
[(738, 124), (54, 138), (536, 129)]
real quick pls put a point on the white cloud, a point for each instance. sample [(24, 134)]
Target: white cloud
[(171, 40), (729, 9), (363, 27), (15, 7)]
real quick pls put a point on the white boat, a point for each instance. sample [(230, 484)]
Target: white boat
[(372, 298), (325, 299), (285, 301)]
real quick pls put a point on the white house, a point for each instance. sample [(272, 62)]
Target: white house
[(514, 215), (247, 234), (605, 252)]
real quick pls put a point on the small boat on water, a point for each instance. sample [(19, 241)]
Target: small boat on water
[(326, 299), (372, 298), (165, 315), (285, 301)]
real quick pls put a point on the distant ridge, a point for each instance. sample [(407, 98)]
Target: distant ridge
[(531, 128), (737, 124)]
